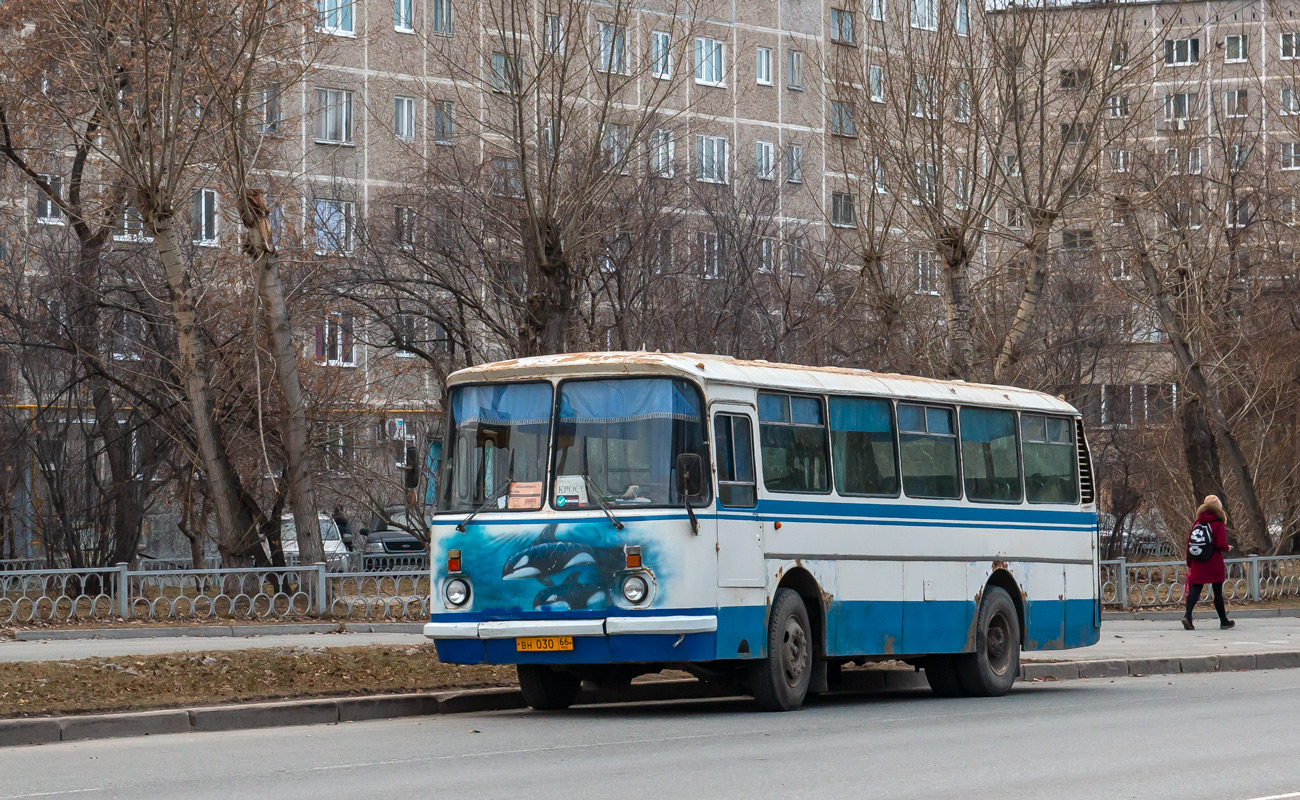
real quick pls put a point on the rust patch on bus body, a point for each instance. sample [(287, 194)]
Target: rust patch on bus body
[(997, 565), (889, 645)]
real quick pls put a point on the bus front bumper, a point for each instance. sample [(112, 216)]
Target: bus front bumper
[(594, 641)]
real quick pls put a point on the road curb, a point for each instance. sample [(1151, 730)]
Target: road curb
[(1174, 616), (212, 631), (316, 711)]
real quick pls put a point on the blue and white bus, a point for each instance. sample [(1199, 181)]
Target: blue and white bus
[(606, 515)]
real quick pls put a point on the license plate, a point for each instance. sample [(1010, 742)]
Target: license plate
[(543, 644)]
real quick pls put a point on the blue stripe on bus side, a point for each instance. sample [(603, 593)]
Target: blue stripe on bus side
[(856, 628)]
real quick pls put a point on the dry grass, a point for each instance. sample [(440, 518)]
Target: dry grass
[(184, 679)]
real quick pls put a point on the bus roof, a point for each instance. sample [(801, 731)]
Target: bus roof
[(760, 374)]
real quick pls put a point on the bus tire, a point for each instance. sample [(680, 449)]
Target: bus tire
[(780, 681), (546, 688), (993, 667), (941, 674)]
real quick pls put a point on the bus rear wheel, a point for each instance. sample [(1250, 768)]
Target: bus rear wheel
[(992, 668), (546, 688), (780, 681), (941, 674)]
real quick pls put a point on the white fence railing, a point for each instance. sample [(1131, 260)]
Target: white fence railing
[(262, 593), (1150, 584)]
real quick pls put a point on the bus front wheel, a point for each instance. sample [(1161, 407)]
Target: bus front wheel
[(993, 667), (780, 681), (546, 688)]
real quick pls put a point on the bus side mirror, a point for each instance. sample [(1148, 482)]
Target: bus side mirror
[(690, 475)]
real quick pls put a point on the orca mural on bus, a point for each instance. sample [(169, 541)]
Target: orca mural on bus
[(549, 567)]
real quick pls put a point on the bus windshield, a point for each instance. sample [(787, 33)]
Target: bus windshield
[(618, 440), (497, 447)]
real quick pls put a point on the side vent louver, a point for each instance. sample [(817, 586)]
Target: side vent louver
[(1087, 494)]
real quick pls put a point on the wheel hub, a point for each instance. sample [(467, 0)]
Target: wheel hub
[(794, 650), (998, 644)]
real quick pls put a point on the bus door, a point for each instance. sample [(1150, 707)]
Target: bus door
[(740, 534)]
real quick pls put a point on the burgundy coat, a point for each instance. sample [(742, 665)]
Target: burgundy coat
[(1212, 571)]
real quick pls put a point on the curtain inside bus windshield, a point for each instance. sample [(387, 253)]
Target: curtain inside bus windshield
[(499, 436), (621, 439)]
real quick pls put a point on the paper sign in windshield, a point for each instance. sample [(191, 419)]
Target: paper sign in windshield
[(570, 490), (525, 495)]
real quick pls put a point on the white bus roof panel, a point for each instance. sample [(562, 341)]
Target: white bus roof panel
[(763, 375)]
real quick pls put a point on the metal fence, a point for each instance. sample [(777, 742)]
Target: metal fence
[(1152, 584), (57, 595)]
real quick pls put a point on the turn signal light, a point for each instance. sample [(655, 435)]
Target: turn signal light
[(453, 561), (633, 557)]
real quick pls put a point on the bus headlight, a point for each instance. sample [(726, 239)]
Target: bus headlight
[(635, 589), (456, 591)]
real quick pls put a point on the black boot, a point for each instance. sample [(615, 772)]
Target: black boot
[(1187, 624)]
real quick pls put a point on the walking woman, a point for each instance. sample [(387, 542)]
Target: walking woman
[(1206, 545)]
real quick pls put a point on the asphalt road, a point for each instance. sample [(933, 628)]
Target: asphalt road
[(1226, 736)]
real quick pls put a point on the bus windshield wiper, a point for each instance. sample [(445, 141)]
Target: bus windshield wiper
[(492, 498), (600, 501)]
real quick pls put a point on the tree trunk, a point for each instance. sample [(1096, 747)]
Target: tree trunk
[(293, 419), (1030, 297), (1202, 453), (961, 350), (548, 306), (236, 533)]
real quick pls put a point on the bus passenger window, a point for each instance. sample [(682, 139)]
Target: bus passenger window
[(988, 455), (928, 446), (792, 438), (1050, 459), (735, 452), (862, 446)]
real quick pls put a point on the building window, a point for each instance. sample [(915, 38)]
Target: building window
[(404, 227), (662, 154), (878, 176), (335, 16), (962, 188), (404, 16), (711, 159), (922, 99), (1013, 217), (48, 211), (505, 73), (961, 22), (1119, 160), (1072, 79), (842, 27), (1236, 102), (661, 56), (794, 70), (441, 12), (1074, 133), (335, 341), (614, 141), (1194, 161), (613, 48), (1181, 52), (333, 225), (553, 34), (334, 109), (843, 205), (444, 122), (1118, 55), (406, 329), (1180, 106), (926, 268), (876, 83), (507, 180), (795, 247), (961, 102), (132, 229), (269, 114), (842, 123), (1290, 45), (763, 66), (767, 255), (338, 447), (1010, 165), (709, 247), (1291, 155), (877, 10), (1238, 213), (404, 118), (794, 163), (203, 217), (661, 256), (710, 62), (1238, 155), (926, 183), (1118, 106), (1234, 48), (925, 14), (1290, 101), (764, 162), (1079, 239)]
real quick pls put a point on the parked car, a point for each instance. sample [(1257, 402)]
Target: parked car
[(336, 550), (391, 534)]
